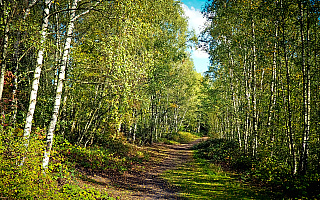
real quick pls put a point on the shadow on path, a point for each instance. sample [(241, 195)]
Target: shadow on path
[(145, 182)]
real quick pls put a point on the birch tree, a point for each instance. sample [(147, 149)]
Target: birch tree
[(259, 46), (61, 78), (5, 25), (37, 71)]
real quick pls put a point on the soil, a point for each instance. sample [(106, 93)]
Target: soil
[(144, 181)]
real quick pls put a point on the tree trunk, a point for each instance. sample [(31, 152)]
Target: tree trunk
[(37, 73), (272, 100), (306, 95), (17, 61), (288, 99), (247, 75), (5, 47), (62, 70), (254, 95)]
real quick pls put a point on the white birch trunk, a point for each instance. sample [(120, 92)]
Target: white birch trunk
[(248, 97), (37, 73), (306, 91), (254, 95), (134, 133), (273, 85), (27, 12), (199, 124), (4, 51), (17, 60), (57, 103), (156, 125)]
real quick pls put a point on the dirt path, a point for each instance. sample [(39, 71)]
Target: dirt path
[(145, 182)]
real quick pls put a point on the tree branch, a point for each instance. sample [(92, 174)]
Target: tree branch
[(85, 12)]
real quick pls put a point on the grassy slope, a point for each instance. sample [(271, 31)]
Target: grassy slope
[(203, 180)]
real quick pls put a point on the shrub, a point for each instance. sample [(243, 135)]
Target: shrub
[(218, 150), (186, 137), (75, 192), (27, 180), (114, 155), (242, 163), (183, 137), (270, 171)]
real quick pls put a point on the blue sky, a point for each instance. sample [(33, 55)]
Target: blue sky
[(197, 4), (192, 10)]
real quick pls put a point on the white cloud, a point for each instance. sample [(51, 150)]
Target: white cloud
[(197, 23), (198, 53), (195, 18)]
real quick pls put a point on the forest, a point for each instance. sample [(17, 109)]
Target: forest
[(89, 86)]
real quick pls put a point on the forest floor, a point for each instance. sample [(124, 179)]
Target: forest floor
[(157, 178)]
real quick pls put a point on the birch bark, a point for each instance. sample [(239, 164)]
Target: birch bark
[(17, 61), (254, 95), (306, 93), (62, 70), (37, 73), (61, 79), (5, 47), (288, 99)]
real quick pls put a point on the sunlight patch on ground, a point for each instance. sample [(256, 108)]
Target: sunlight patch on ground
[(203, 180)]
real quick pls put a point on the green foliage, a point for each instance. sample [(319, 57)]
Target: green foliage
[(179, 138), (278, 176), (218, 150), (202, 179), (183, 137), (127, 74), (167, 141), (262, 89), (27, 181), (78, 193), (270, 172), (115, 155)]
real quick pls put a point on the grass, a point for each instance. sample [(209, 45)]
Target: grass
[(74, 191), (201, 179), (180, 138)]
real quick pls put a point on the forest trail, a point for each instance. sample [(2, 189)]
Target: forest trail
[(145, 181)]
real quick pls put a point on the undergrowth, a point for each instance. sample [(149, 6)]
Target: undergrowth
[(114, 155), (202, 179), (22, 176), (76, 192), (28, 181), (262, 170), (179, 138)]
